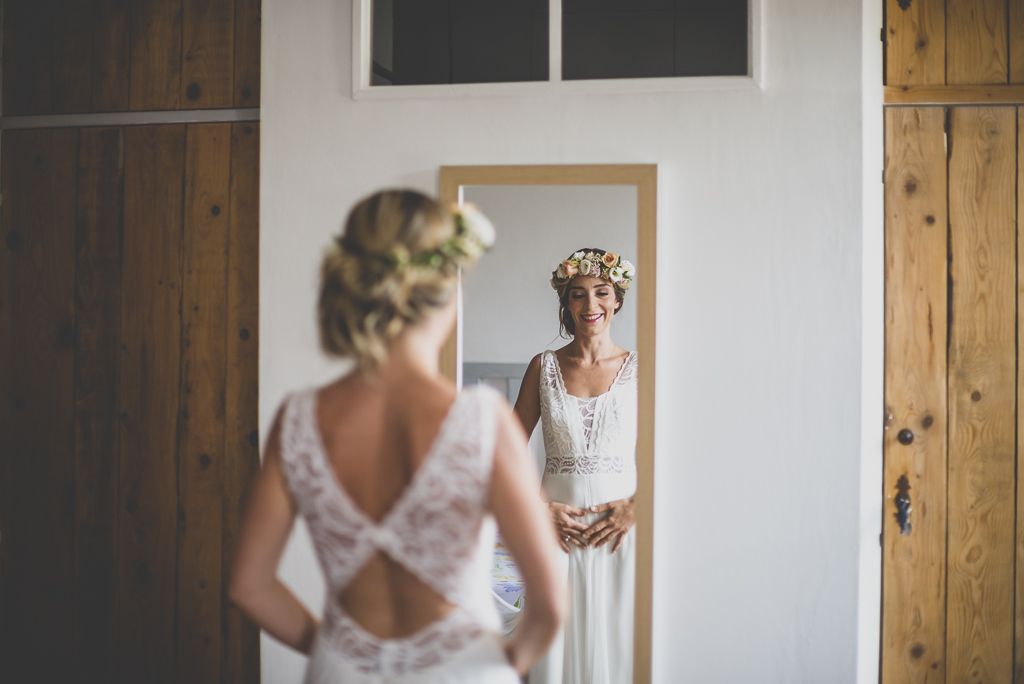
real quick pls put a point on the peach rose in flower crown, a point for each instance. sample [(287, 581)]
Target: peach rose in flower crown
[(567, 269), (610, 259)]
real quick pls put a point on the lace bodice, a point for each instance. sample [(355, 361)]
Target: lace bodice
[(437, 530), (588, 436)]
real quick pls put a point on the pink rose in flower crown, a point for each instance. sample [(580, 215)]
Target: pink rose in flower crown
[(610, 259), (568, 269)]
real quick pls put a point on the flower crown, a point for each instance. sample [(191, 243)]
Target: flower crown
[(607, 266), (474, 235)]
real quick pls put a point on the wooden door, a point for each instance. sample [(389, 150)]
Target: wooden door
[(953, 607), (128, 397)]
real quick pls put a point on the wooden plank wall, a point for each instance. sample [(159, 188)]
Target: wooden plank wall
[(980, 554), (914, 603), (129, 259), (954, 42), (75, 56)]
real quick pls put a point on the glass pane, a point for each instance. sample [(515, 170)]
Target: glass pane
[(653, 38), (419, 42)]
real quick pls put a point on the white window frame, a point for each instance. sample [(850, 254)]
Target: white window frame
[(362, 15)]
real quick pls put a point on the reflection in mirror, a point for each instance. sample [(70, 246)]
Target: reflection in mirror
[(579, 393)]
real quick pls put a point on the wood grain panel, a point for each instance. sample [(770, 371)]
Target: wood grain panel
[(155, 69), (110, 56), (247, 53), (208, 52), (97, 338), (203, 373), (1015, 19), (963, 94), (241, 661), (27, 56), (148, 401), (1018, 665), (71, 86), (976, 41), (915, 395), (38, 270), (915, 52), (982, 358)]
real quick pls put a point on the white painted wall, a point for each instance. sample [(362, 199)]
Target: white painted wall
[(510, 310), (759, 309)]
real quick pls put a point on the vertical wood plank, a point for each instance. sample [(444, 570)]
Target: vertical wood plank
[(110, 56), (976, 42), (71, 86), (247, 53), (241, 661), (1016, 41), (913, 570), (208, 54), (148, 401), (1018, 652), (27, 56), (915, 45), (155, 54), (97, 339), (982, 393), (203, 367), (38, 272)]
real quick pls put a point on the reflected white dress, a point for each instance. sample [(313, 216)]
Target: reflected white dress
[(439, 530), (591, 459)]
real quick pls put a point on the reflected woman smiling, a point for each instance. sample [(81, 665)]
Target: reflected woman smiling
[(586, 398)]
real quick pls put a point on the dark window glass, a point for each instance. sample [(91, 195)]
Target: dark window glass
[(459, 41), (653, 38)]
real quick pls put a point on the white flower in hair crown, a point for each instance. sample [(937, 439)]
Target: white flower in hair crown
[(474, 235), (608, 266)]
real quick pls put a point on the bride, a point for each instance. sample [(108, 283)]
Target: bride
[(585, 396), (398, 477)]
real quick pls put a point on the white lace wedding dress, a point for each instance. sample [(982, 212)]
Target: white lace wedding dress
[(439, 530), (591, 459)]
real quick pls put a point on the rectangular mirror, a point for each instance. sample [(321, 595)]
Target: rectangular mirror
[(509, 314)]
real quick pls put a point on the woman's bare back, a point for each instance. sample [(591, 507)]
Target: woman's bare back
[(376, 436)]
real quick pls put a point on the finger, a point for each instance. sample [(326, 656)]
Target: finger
[(603, 538), (618, 543), (577, 512), (601, 508), (574, 525), (595, 528), (563, 545), (578, 542)]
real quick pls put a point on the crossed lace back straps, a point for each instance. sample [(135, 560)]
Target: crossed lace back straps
[(433, 530), (588, 436)]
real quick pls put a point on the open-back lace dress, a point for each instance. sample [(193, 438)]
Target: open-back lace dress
[(591, 459), (439, 530)]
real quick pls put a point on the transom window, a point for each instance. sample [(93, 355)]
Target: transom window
[(434, 42)]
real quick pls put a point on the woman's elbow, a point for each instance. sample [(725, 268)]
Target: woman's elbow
[(242, 588)]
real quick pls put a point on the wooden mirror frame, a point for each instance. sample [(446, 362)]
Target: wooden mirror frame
[(645, 178)]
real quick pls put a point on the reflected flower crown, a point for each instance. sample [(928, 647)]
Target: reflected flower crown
[(597, 263)]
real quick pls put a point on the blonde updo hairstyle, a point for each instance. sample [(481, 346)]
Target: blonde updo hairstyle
[(374, 279)]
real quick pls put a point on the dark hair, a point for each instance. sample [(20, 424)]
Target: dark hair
[(566, 324)]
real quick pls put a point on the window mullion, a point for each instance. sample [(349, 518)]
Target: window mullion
[(555, 40)]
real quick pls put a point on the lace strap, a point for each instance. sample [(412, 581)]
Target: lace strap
[(488, 402), (296, 462)]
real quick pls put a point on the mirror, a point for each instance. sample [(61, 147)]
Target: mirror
[(509, 314)]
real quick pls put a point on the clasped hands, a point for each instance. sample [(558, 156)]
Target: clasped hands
[(613, 526)]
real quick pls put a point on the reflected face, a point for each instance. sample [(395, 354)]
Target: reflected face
[(591, 303)]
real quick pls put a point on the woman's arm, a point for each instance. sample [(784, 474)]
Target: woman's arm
[(526, 531), (254, 586), (528, 402)]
